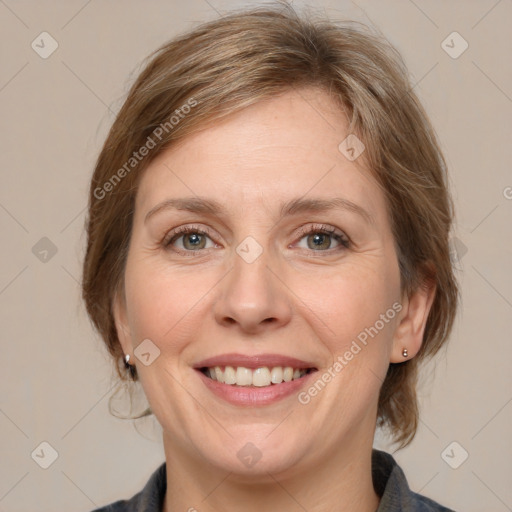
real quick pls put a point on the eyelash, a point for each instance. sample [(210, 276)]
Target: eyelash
[(339, 236)]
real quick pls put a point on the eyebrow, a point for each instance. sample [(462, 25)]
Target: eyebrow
[(291, 207)]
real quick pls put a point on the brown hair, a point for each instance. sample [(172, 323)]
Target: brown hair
[(237, 60)]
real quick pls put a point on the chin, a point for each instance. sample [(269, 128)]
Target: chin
[(259, 454)]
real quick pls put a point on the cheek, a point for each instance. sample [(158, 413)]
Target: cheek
[(163, 301), (355, 303)]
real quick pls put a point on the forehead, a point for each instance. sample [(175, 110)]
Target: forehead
[(268, 153)]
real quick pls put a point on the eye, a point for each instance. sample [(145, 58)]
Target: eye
[(320, 238), (191, 239)]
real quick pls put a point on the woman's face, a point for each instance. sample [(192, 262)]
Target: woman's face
[(289, 263)]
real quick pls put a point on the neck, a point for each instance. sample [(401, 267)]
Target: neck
[(341, 482)]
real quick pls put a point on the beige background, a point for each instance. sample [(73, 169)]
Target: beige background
[(55, 375)]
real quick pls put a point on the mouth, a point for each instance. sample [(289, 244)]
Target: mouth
[(258, 377), (257, 380)]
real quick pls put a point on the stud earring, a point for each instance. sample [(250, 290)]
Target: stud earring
[(404, 352), (132, 370)]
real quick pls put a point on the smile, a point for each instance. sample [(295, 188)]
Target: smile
[(254, 380), (258, 377)]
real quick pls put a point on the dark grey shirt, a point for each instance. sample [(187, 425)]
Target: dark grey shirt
[(388, 480)]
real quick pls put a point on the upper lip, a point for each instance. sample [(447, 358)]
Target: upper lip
[(253, 362)]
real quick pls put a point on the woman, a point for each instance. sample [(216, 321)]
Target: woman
[(268, 255)]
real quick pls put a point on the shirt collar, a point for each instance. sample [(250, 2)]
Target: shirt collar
[(389, 483)]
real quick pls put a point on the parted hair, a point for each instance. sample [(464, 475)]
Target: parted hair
[(223, 66)]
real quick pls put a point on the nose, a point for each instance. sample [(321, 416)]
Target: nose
[(252, 297)]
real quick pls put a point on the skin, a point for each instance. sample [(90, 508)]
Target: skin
[(295, 299)]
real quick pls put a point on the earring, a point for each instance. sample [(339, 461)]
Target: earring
[(404, 352), (130, 367)]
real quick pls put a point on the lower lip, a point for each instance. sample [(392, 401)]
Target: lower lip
[(252, 395)]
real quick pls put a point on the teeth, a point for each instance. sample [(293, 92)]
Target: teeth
[(229, 375), (243, 376), (276, 375), (260, 377)]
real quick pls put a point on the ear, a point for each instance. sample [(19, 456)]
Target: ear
[(409, 332), (122, 325)]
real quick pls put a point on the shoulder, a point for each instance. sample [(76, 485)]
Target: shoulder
[(392, 487), (150, 499)]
